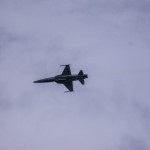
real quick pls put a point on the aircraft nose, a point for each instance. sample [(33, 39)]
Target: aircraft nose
[(44, 80), (38, 81)]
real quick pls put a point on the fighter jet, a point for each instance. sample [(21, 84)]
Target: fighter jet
[(66, 78)]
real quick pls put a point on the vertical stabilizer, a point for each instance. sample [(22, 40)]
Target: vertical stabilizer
[(80, 74)]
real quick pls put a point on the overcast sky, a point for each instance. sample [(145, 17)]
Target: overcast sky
[(109, 40)]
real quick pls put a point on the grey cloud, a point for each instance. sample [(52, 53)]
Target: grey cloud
[(132, 143), (109, 40)]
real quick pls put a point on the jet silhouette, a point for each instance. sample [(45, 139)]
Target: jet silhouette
[(66, 78)]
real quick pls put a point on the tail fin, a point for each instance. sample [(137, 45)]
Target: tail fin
[(81, 80), (80, 73)]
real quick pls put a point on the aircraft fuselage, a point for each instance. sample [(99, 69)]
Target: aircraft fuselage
[(62, 78), (66, 78)]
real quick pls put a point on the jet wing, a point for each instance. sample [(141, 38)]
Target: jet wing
[(69, 85), (67, 70)]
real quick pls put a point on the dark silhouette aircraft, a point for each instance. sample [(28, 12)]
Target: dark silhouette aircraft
[(66, 78)]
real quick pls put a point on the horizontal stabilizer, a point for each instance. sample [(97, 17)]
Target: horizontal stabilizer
[(81, 81)]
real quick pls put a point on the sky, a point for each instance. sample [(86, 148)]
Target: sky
[(109, 40)]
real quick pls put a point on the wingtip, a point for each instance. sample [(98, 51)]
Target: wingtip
[(65, 65), (68, 91)]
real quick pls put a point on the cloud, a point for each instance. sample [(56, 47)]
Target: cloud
[(109, 40)]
